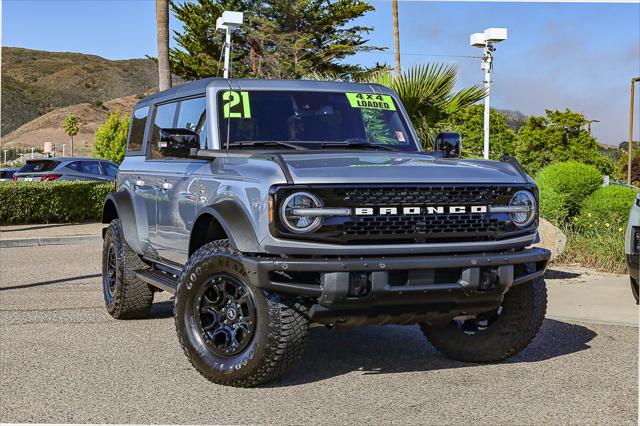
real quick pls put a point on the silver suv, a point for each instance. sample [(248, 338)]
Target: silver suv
[(266, 206)]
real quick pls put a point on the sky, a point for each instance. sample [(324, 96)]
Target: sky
[(580, 56)]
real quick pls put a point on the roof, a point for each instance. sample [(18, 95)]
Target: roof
[(67, 159), (199, 86)]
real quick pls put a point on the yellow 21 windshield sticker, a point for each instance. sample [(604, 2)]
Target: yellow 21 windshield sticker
[(236, 104), (370, 100)]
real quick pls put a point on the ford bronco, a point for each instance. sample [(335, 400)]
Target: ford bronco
[(265, 206)]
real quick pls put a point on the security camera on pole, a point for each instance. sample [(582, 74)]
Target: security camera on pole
[(486, 40), (229, 22)]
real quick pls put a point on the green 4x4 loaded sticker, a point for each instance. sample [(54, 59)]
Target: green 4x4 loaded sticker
[(236, 104), (370, 100)]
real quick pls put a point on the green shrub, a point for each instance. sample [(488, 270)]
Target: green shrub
[(553, 206), (574, 180), (55, 202), (606, 210), (603, 251)]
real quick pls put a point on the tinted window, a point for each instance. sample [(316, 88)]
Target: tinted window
[(136, 133), (109, 169), (6, 174), (309, 118), (89, 167), (38, 166), (164, 117), (192, 115)]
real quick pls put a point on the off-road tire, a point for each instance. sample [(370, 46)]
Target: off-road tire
[(131, 297), (280, 332), (523, 311)]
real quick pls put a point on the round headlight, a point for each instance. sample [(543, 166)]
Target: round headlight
[(525, 204), (295, 222)]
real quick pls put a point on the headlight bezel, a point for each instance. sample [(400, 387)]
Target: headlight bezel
[(316, 222), (533, 208)]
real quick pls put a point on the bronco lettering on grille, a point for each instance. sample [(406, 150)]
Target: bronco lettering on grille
[(368, 211)]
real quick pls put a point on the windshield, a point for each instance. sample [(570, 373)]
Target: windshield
[(312, 119)]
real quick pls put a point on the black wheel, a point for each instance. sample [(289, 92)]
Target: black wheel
[(497, 335), (634, 288), (125, 296), (233, 333)]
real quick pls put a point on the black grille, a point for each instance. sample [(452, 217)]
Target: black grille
[(423, 195), (422, 228)]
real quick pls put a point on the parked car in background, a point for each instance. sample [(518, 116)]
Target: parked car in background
[(66, 169), (7, 174), (632, 246)]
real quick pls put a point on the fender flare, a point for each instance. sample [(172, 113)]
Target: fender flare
[(123, 205), (235, 223)]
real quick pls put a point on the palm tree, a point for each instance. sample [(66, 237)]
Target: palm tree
[(71, 127), (162, 24), (396, 35), (427, 92)]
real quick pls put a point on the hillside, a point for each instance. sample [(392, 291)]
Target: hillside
[(36, 82), (48, 128)]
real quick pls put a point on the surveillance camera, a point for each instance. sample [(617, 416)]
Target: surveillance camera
[(231, 20), (477, 40), (495, 35)]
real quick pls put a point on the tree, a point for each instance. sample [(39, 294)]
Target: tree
[(162, 25), (71, 127), (396, 35), (469, 122), (279, 38), (111, 137), (559, 136), (427, 92)]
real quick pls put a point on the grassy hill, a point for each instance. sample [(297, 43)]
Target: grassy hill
[(48, 127), (36, 82)]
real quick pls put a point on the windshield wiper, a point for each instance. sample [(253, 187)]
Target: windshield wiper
[(262, 143), (356, 143)]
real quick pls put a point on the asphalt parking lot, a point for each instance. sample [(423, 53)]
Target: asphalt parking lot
[(63, 359)]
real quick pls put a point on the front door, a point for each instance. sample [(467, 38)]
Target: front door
[(177, 186)]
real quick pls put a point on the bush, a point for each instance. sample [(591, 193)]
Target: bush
[(606, 210), (111, 138), (603, 251), (55, 202), (553, 206), (575, 181)]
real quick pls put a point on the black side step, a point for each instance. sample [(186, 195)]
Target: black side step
[(159, 279)]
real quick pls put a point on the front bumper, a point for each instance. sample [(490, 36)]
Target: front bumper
[(404, 289)]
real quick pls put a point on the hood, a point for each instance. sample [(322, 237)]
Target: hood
[(392, 167)]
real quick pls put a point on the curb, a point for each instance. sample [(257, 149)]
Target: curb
[(30, 242)]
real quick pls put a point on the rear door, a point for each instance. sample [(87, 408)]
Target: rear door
[(177, 188)]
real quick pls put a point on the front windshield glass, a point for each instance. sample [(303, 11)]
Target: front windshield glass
[(312, 119)]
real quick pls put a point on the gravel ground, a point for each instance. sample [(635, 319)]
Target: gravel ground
[(63, 359)]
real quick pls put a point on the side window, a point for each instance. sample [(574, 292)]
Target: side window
[(136, 132), (90, 167), (109, 169), (163, 119), (74, 166), (192, 115)]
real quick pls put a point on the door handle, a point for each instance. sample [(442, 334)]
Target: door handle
[(166, 186), (139, 183)]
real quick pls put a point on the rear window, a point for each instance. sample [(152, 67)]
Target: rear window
[(38, 166), (136, 132)]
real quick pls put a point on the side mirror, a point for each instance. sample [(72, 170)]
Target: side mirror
[(177, 142), (450, 144)]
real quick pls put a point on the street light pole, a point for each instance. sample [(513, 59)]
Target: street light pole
[(630, 147), (487, 64), (485, 40), (589, 124)]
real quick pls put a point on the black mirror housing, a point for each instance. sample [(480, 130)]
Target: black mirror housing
[(177, 142), (450, 144)]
